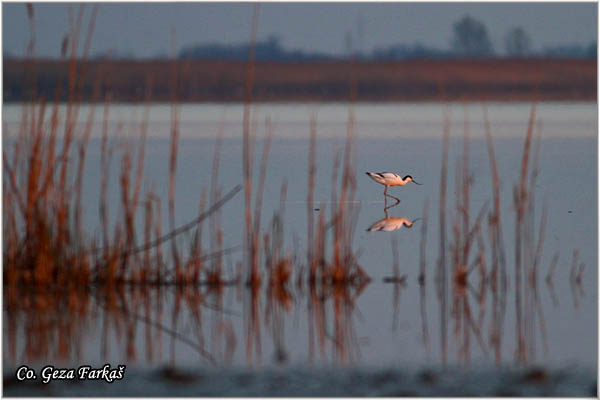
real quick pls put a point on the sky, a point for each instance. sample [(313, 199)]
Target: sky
[(144, 29)]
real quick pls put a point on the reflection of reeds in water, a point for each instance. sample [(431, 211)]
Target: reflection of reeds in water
[(463, 237), (312, 170), (338, 330), (498, 276), (528, 250), (156, 325), (576, 273), (337, 278), (41, 325), (399, 280), (422, 277), (467, 255), (441, 276)]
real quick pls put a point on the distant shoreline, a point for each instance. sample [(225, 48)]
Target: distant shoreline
[(202, 81)]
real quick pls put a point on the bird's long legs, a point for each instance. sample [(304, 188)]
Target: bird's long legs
[(385, 195), (386, 208)]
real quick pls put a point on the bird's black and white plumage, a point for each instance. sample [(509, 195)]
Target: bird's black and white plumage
[(390, 179)]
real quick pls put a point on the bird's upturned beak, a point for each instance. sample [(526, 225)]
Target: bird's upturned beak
[(413, 181)]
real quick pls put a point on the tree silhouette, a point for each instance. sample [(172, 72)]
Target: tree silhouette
[(471, 38), (517, 42)]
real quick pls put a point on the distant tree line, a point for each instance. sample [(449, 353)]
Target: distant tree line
[(470, 39), (269, 49)]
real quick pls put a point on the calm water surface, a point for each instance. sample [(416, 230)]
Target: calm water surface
[(382, 326)]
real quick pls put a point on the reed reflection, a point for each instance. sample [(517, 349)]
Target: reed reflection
[(165, 325), (468, 279), (157, 325)]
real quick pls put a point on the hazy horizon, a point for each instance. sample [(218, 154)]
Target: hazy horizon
[(144, 29)]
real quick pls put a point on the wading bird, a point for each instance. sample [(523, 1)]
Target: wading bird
[(390, 179)]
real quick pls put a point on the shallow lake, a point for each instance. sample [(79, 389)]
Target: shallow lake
[(379, 327)]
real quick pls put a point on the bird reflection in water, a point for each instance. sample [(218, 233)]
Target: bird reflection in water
[(390, 224)]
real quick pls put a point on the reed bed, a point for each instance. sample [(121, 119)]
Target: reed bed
[(332, 273), (468, 256), (46, 247)]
